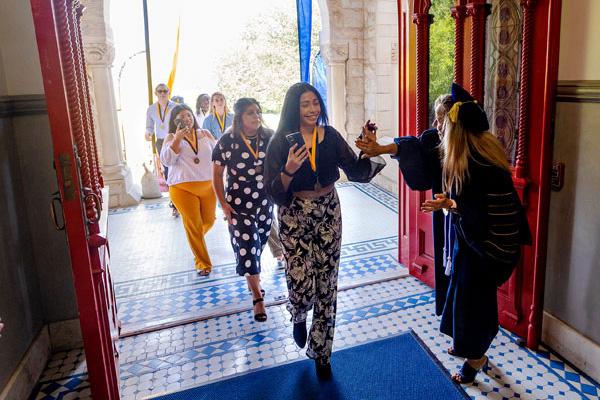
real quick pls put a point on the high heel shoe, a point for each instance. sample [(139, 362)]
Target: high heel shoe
[(259, 317), (467, 373)]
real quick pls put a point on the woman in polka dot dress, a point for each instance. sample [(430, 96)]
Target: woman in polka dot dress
[(248, 210)]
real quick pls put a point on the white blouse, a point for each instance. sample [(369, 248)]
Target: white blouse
[(182, 166)]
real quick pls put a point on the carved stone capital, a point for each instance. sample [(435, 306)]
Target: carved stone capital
[(335, 53), (99, 53)]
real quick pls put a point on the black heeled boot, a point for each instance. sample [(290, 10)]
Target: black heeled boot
[(323, 369), (300, 333)]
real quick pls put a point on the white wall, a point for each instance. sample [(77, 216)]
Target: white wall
[(579, 40), (19, 50), (572, 297)]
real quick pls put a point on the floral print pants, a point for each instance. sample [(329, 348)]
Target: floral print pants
[(311, 234)]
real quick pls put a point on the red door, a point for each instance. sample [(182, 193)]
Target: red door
[(520, 300), (80, 182)]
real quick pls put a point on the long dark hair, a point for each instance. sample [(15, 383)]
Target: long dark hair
[(175, 111), (199, 100), (290, 112), (239, 108)]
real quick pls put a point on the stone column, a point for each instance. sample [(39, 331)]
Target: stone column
[(335, 57), (99, 56)]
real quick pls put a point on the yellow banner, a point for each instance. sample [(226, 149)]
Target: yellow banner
[(175, 56)]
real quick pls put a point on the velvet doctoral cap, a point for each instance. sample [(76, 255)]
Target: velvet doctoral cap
[(466, 109)]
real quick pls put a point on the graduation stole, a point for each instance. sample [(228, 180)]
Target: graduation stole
[(221, 123), (313, 151)]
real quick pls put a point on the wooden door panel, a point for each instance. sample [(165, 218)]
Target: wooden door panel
[(60, 49)]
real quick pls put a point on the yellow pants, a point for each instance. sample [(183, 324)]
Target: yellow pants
[(196, 202)]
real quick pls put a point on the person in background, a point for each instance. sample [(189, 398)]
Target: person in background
[(247, 208), (302, 166), (202, 108), (219, 118), (157, 125), (490, 226), (187, 152), (275, 244), (419, 160), (177, 99)]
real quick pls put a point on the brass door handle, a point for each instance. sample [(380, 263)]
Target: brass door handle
[(56, 199)]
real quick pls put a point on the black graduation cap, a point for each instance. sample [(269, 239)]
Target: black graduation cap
[(466, 109)]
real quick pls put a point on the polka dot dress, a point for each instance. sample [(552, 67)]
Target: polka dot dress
[(245, 193)]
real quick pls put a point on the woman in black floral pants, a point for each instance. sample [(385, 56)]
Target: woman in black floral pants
[(301, 169)]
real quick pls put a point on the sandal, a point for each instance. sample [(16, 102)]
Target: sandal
[(467, 373), (259, 317), (203, 272), (452, 352)]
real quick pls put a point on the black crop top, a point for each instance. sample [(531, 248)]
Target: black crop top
[(332, 153)]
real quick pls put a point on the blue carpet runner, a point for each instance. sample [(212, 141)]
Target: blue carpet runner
[(400, 367)]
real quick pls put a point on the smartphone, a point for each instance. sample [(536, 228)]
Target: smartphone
[(295, 138)]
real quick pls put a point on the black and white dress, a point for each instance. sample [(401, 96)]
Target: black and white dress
[(245, 193)]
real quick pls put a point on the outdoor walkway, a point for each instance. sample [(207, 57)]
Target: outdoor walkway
[(154, 282)]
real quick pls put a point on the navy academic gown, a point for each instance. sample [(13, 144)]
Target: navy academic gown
[(490, 227), (419, 161)]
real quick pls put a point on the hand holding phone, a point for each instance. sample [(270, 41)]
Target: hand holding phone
[(295, 138)]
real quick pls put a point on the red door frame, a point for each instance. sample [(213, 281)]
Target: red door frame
[(80, 184), (521, 299)]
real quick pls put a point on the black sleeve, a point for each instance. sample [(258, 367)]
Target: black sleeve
[(356, 169), (418, 159), (491, 217), (277, 152)]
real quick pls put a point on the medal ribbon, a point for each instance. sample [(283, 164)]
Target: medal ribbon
[(249, 145), (195, 145), (313, 151), (221, 123), (162, 115)]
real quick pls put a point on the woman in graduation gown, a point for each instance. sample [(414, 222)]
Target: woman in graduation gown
[(490, 227), (419, 162), (302, 166)]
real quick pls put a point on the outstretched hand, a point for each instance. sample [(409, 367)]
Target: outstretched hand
[(440, 201), (367, 141)]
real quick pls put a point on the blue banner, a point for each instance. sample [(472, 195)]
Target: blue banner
[(319, 76), (304, 12)]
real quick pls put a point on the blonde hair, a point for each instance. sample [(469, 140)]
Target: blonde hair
[(458, 146), (212, 100)]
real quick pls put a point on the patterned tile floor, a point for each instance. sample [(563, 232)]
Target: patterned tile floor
[(156, 285), (200, 352)]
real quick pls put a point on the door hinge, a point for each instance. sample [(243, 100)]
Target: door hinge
[(66, 165)]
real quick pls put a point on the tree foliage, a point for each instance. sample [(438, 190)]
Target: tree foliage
[(441, 49), (266, 61)]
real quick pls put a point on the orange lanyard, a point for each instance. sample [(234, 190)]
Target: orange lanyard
[(313, 151), (249, 145)]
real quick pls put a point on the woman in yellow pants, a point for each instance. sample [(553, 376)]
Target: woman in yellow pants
[(187, 152)]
